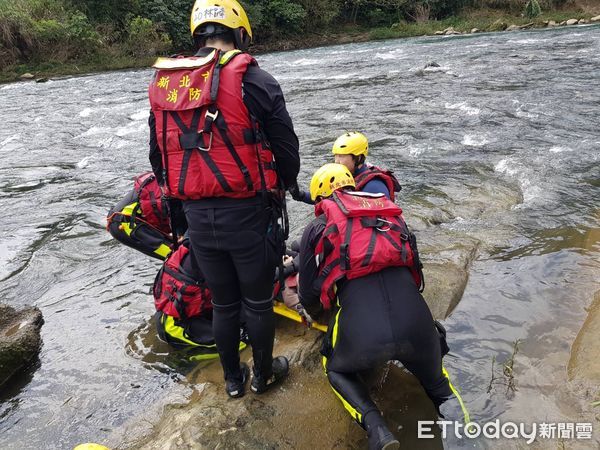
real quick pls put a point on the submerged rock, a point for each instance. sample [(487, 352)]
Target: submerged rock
[(584, 362), (19, 339)]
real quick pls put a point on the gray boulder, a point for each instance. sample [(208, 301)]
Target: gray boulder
[(19, 339), (595, 19), (572, 22), (584, 362), (513, 28), (27, 76)]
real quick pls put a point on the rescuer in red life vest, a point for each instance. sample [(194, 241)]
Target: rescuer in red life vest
[(222, 142), (351, 149), (358, 258)]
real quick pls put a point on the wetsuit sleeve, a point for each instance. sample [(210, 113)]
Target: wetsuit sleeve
[(309, 290), (376, 186), (306, 198), (155, 156), (264, 99)]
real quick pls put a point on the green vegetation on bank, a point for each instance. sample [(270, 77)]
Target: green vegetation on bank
[(52, 37)]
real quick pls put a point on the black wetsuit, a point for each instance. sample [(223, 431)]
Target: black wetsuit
[(381, 317), (234, 240)]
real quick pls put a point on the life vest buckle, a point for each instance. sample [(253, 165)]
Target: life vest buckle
[(381, 227), (212, 116), (210, 140)]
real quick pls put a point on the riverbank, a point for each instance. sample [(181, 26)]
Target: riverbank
[(473, 21)]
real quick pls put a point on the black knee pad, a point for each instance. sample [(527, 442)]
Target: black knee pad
[(258, 306), (228, 307)]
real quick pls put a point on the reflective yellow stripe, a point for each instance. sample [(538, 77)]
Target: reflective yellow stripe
[(228, 56), (163, 251), (465, 412), (203, 357), (177, 332), (128, 211), (353, 412), (334, 335)]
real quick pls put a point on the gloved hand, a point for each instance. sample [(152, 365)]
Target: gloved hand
[(306, 318), (296, 192)]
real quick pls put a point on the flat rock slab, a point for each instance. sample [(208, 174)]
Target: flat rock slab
[(302, 412), (19, 339)]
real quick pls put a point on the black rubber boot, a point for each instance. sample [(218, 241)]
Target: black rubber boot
[(381, 438), (261, 383), (236, 387)]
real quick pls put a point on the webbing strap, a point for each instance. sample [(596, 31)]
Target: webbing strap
[(401, 249), (259, 135), (216, 77), (344, 256), (179, 303), (164, 149), (222, 127), (180, 275), (371, 248), (339, 203), (191, 140), (331, 230), (154, 203)]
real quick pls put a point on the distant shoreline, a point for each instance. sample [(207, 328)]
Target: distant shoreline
[(344, 35)]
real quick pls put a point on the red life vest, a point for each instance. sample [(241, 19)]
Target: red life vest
[(210, 145), (178, 292), (387, 176), (154, 209), (365, 233)]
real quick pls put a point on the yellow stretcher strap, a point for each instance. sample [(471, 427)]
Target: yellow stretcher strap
[(284, 311), (465, 412)]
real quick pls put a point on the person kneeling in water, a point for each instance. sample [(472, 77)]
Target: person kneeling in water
[(359, 258)]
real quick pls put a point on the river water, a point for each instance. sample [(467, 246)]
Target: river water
[(500, 145)]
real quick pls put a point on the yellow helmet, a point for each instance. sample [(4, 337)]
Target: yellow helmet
[(351, 143), (91, 446), (329, 178), (228, 13)]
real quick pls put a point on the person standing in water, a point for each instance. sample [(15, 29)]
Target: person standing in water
[(222, 141)]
